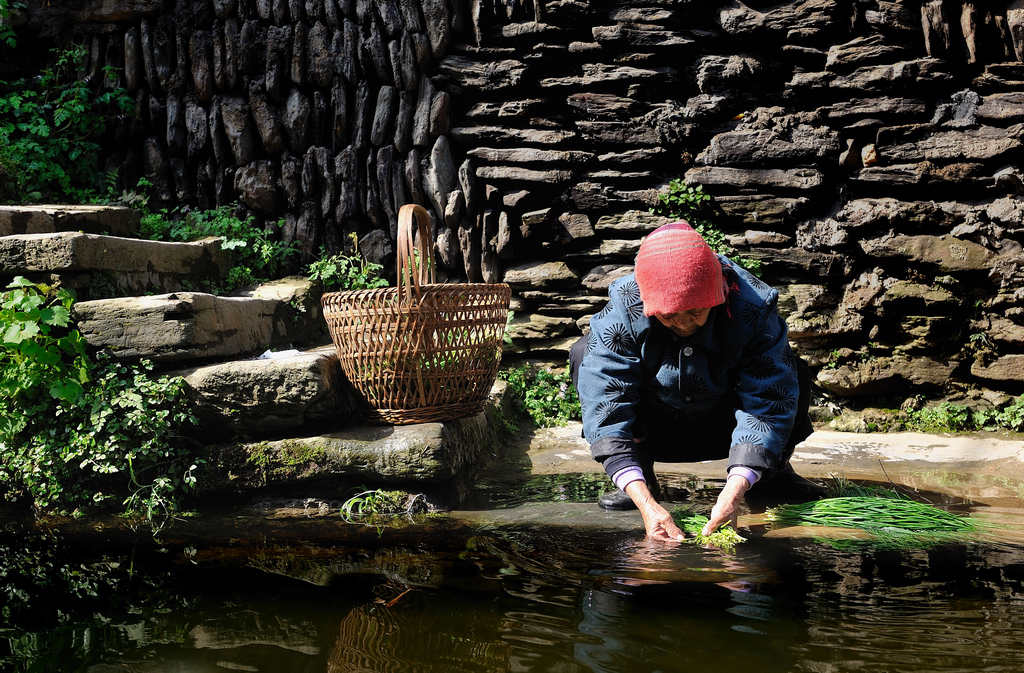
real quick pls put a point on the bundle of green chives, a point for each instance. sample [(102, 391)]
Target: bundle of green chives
[(893, 522), (725, 538)]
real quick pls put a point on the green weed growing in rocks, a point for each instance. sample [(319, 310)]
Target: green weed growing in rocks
[(346, 272), (693, 204), (51, 126), (1009, 417), (8, 38), (258, 257), (948, 417), (944, 418), (547, 397), (76, 429), (381, 508)]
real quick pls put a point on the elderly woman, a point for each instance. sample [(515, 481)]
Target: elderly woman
[(689, 361)]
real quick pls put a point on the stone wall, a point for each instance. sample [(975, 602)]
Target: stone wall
[(867, 151)]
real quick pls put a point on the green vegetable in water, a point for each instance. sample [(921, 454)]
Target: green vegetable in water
[(870, 513), (725, 538), (893, 523)]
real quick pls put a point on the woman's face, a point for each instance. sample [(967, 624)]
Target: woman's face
[(685, 323)]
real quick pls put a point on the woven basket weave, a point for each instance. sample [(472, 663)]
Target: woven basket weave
[(421, 351)]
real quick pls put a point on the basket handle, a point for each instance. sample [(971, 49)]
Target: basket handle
[(412, 272)]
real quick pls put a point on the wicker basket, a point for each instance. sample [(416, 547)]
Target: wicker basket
[(421, 351)]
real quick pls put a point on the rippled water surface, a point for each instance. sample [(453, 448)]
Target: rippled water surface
[(294, 593)]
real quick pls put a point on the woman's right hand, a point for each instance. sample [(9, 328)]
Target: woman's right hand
[(657, 520)]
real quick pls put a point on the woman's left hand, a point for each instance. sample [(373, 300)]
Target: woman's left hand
[(725, 510)]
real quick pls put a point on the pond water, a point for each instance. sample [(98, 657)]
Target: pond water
[(530, 582)]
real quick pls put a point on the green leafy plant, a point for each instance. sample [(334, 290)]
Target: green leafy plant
[(75, 430), (1011, 416), (376, 502), (8, 38), (693, 204), (380, 508), (944, 417), (346, 272), (547, 397), (258, 257), (50, 130), (834, 359), (948, 417)]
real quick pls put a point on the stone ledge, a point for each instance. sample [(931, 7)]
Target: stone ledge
[(424, 453), (189, 326), (44, 219), (260, 398), (98, 266)]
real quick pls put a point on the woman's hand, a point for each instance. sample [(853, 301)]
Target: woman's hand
[(728, 500), (657, 520)]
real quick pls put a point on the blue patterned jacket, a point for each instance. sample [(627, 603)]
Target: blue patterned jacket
[(740, 358)]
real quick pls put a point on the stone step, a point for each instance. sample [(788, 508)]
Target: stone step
[(42, 219), (270, 397), (194, 326), (97, 266), (422, 454)]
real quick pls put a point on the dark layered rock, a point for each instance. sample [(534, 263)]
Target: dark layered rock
[(278, 61), (383, 116), (915, 144), (881, 376), (268, 123), (797, 22), (196, 128), (780, 144), (490, 75), (541, 275), (722, 73), (1002, 108), (1008, 369), (237, 126), (947, 253), (862, 51), (297, 113), (734, 179), (257, 185)]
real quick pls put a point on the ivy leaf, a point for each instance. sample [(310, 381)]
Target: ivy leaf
[(68, 390), (20, 331), (20, 281), (40, 353), (55, 315), (231, 244)]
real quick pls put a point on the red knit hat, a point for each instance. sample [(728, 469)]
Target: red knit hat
[(677, 271)]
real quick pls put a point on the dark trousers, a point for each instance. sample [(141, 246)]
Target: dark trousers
[(670, 443)]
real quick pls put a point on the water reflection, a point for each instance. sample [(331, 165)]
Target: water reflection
[(502, 599)]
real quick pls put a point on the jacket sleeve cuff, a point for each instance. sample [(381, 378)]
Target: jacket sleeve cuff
[(750, 475), (627, 476), (752, 456)]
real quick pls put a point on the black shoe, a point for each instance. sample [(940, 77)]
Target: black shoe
[(616, 501), (785, 486)]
